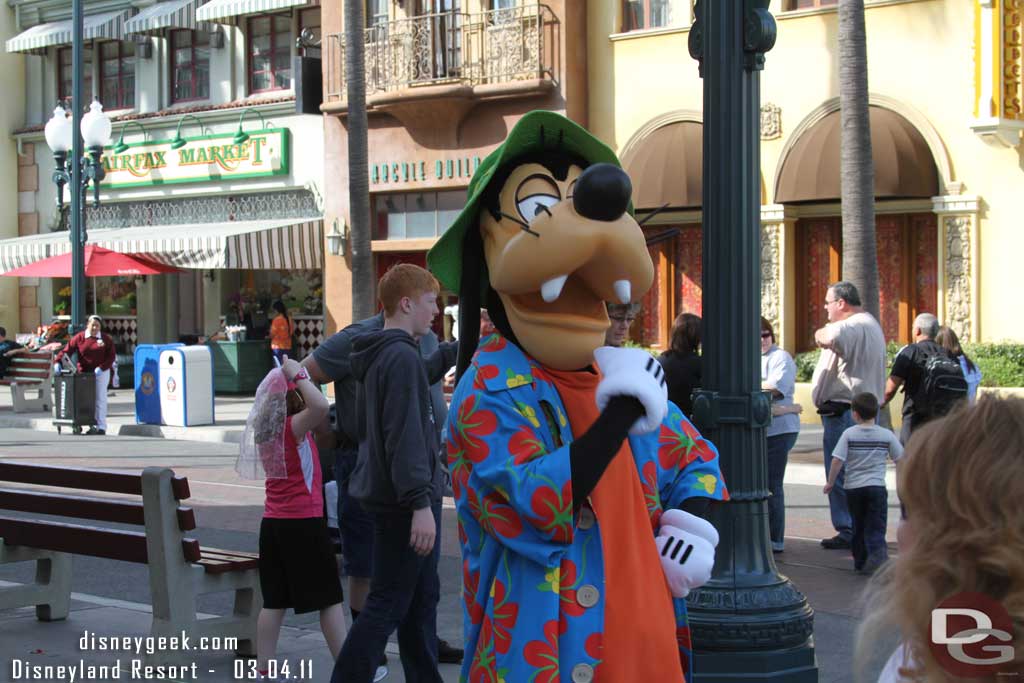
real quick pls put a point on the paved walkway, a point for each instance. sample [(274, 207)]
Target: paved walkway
[(230, 413)]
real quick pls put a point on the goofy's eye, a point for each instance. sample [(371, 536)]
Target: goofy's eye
[(535, 204)]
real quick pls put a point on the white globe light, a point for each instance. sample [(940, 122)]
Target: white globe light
[(96, 127), (58, 131)]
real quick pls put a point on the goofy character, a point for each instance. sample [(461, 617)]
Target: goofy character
[(579, 487)]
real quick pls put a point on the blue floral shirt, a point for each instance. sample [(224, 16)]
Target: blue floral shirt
[(526, 552)]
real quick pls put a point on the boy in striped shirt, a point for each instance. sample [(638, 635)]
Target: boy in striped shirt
[(862, 450)]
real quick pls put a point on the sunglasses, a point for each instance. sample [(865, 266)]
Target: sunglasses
[(766, 335)]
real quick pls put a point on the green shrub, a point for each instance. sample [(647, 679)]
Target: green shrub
[(1002, 364)]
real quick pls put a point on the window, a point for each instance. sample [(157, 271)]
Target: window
[(270, 52), (376, 12), (190, 65), (64, 74), (117, 75), (504, 4), (638, 15), (416, 214), (808, 4)]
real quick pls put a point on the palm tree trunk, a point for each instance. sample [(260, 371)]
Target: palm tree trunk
[(363, 281), (857, 174)]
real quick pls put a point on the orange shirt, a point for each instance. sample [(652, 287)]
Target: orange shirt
[(280, 333), (639, 619)]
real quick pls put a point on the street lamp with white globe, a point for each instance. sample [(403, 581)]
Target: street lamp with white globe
[(61, 137)]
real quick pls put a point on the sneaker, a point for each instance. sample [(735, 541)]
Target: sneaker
[(837, 542), (94, 430), (447, 654), (380, 674)]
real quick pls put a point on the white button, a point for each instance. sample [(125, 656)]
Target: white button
[(587, 518), (582, 673), (587, 596)]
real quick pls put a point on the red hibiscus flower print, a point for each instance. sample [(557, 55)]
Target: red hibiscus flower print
[(495, 515), (483, 669), (568, 582), (470, 584), (649, 484), (683, 637), (473, 424), (493, 343), (484, 374), (505, 613), (594, 646), (542, 655), (458, 464), (674, 448), (553, 512), (525, 446)]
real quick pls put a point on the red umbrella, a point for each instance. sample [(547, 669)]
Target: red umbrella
[(99, 262)]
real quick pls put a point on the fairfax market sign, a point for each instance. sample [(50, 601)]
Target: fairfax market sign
[(205, 159)]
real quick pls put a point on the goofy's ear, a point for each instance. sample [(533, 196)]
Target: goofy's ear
[(469, 299)]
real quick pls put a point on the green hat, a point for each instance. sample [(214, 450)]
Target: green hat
[(538, 131)]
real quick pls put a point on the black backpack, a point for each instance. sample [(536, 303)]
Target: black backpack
[(942, 385)]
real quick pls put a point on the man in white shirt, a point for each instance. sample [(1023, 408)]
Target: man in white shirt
[(852, 361)]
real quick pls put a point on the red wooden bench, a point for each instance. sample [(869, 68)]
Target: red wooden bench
[(179, 569)]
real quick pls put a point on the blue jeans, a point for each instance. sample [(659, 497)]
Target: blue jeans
[(404, 592), (778, 455), (869, 509), (355, 525), (834, 428)]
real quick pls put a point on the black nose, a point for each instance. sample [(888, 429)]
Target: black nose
[(602, 192)]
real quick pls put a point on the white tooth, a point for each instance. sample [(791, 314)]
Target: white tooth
[(552, 289), (623, 291)]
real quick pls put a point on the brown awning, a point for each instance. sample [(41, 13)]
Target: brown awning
[(666, 167), (904, 166)]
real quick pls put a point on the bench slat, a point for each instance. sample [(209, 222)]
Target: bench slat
[(128, 546), (81, 478), (216, 565), (79, 507), (229, 554)]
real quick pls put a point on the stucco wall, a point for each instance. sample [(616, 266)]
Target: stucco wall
[(919, 55), (12, 81)]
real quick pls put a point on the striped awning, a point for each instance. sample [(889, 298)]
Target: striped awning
[(172, 14), (107, 26), (21, 251), (285, 244), (224, 11)]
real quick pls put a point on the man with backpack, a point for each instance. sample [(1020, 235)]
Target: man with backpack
[(932, 380)]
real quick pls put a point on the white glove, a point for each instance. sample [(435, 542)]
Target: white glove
[(686, 545), (56, 368), (97, 371), (633, 372)]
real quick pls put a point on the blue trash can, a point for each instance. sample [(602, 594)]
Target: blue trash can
[(147, 382)]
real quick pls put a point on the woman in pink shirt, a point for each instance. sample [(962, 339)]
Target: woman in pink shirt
[(298, 569)]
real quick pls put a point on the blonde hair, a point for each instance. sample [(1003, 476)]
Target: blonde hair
[(962, 482), (404, 280)]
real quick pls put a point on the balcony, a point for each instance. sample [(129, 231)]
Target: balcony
[(450, 60)]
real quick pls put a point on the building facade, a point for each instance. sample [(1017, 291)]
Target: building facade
[(446, 81), (945, 108), (210, 168)]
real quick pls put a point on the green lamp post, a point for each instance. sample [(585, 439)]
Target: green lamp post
[(749, 622)]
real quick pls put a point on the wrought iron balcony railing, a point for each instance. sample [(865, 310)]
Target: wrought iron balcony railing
[(493, 47)]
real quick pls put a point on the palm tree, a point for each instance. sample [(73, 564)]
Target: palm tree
[(857, 173), (358, 163)]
